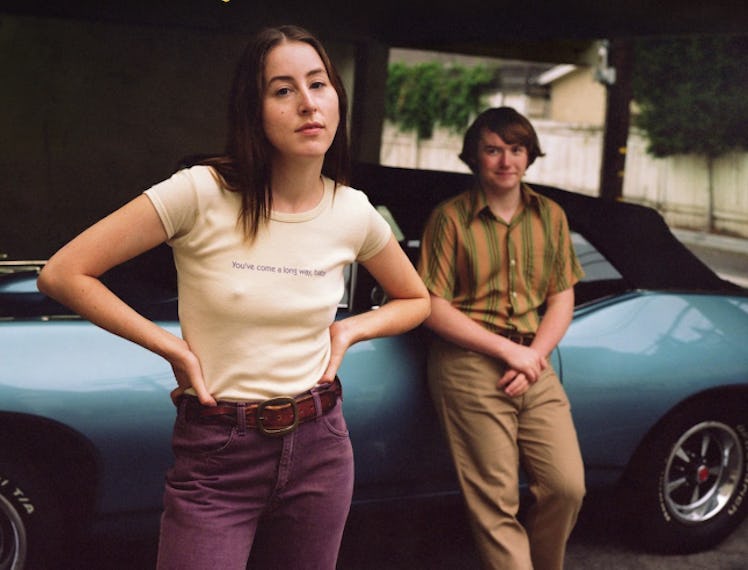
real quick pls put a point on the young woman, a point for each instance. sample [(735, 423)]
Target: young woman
[(260, 237)]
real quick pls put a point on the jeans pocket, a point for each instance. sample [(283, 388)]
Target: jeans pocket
[(335, 421), (200, 439)]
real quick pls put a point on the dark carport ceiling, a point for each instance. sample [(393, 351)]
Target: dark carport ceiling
[(469, 26)]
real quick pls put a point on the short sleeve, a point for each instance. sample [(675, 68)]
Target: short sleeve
[(176, 202), (567, 270), (437, 258), (377, 233)]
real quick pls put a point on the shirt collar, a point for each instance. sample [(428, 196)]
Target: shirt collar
[(479, 203)]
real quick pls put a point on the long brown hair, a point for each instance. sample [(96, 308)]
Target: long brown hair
[(245, 167)]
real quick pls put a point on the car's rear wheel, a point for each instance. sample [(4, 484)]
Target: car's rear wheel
[(690, 481), (31, 525)]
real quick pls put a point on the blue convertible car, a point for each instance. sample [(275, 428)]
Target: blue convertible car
[(655, 364)]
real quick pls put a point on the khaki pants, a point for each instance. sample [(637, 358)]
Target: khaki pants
[(490, 435)]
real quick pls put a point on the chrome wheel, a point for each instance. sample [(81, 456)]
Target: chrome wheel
[(13, 542), (703, 471)]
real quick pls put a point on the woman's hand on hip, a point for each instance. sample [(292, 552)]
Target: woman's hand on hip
[(340, 339), (189, 373)]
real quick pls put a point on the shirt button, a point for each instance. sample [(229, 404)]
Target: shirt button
[(512, 262)]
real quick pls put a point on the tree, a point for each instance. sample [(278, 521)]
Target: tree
[(425, 95), (691, 92)]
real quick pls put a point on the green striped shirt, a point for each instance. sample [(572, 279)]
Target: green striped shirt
[(498, 273)]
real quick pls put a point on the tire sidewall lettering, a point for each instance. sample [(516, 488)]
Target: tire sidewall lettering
[(16, 496)]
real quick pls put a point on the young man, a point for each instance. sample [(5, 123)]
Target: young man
[(491, 257)]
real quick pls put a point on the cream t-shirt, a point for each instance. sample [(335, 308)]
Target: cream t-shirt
[(257, 315)]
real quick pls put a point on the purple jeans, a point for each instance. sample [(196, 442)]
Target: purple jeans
[(233, 490)]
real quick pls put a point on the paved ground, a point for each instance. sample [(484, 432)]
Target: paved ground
[(436, 537), (727, 256)]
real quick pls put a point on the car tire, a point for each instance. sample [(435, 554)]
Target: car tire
[(31, 522), (688, 486)]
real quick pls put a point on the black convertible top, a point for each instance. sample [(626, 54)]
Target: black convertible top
[(634, 238)]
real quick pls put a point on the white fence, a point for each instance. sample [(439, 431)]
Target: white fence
[(676, 186)]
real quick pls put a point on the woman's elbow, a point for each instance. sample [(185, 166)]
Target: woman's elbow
[(47, 281), (51, 280), (424, 302), (425, 307), (413, 311)]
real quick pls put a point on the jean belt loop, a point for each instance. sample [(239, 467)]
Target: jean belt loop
[(241, 418), (317, 402), (182, 406)]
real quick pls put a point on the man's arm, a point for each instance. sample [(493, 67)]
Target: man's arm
[(555, 321), (456, 327)]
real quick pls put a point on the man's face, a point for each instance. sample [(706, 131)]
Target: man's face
[(500, 166)]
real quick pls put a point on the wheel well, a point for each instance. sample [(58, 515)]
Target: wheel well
[(732, 394), (62, 456)]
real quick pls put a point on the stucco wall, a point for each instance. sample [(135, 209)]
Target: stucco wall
[(578, 98)]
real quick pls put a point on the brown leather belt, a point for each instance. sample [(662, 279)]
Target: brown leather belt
[(274, 417), (525, 339)]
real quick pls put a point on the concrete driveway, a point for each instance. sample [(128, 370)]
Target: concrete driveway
[(436, 537)]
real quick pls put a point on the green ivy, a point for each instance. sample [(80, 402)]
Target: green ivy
[(425, 95)]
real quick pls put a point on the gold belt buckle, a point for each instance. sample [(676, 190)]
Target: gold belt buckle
[(281, 431)]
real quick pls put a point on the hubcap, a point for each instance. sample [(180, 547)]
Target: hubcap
[(702, 472)]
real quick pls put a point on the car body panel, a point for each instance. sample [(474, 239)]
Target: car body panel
[(115, 395), (625, 365), (108, 390)]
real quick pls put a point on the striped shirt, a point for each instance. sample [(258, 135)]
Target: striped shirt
[(498, 273)]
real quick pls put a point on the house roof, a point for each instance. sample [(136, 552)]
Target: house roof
[(556, 72)]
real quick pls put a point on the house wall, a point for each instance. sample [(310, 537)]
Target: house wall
[(676, 186), (578, 98)]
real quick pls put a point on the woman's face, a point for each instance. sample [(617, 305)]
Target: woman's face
[(300, 110)]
